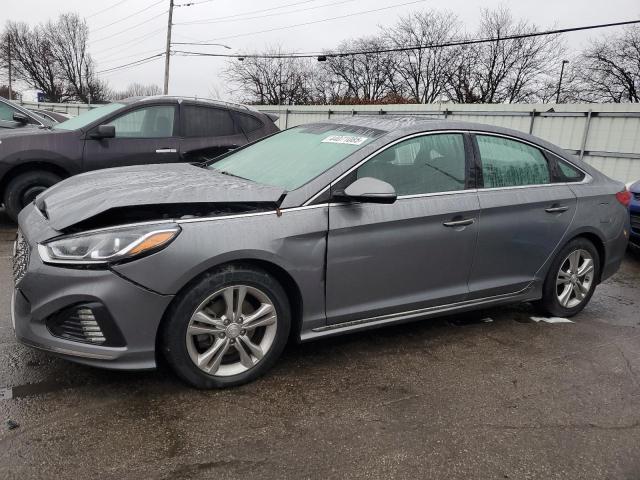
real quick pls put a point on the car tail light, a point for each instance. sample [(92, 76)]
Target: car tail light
[(624, 197)]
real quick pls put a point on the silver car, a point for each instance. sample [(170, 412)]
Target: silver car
[(319, 230)]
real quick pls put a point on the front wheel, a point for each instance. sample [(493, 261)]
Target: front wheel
[(24, 188), (571, 279), (228, 328)]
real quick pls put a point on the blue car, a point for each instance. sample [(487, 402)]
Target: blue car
[(634, 209)]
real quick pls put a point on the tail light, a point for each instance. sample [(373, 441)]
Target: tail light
[(624, 197)]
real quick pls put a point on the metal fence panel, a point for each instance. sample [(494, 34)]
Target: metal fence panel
[(607, 136)]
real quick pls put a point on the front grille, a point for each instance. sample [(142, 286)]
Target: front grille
[(20, 257), (635, 222), (636, 196)]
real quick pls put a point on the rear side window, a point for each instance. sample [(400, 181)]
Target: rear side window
[(148, 122), (420, 165), (509, 163), (569, 172), (207, 122), (248, 123)]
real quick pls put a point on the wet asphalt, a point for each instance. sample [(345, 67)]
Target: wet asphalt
[(486, 395)]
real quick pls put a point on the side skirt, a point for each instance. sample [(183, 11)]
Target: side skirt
[(526, 294)]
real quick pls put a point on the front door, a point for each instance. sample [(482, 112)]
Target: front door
[(415, 253), (145, 135), (524, 215)]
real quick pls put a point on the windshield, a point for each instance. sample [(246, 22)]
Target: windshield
[(88, 117), (292, 158)]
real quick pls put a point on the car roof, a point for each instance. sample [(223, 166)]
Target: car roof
[(402, 125), (178, 99)]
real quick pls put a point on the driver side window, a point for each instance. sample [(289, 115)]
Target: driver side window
[(427, 164), (6, 112), (148, 122)]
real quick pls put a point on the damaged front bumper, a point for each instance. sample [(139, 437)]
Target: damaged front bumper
[(91, 316)]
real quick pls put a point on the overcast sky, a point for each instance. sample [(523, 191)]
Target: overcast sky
[(123, 31)]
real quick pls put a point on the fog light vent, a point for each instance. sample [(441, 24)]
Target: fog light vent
[(90, 328), (88, 323)]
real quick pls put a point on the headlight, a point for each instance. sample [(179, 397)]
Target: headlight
[(108, 246)]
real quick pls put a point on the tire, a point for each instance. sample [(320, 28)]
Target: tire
[(24, 188), (198, 324), (580, 287)]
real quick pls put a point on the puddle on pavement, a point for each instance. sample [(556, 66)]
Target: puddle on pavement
[(29, 390)]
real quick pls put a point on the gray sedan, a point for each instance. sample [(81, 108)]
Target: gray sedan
[(320, 230)]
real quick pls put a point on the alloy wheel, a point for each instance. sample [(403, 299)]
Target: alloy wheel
[(231, 330), (575, 278)]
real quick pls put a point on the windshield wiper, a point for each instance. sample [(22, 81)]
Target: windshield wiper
[(232, 175)]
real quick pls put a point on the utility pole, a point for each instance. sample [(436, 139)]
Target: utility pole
[(9, 63), (168, 51), (564, 62)]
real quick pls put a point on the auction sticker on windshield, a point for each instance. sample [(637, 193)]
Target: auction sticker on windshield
[(346, 139)]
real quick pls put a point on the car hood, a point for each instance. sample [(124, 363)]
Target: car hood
[(26, 130), (87, 195)]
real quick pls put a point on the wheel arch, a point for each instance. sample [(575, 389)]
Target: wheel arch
[(291, 288), (31, 166)]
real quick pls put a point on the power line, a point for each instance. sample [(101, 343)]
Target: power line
[(453, 43), (206, 22), (105, 9), (119, 58), (128, 29), (132, 64), (255, 11), (93, 30), (306, 23)]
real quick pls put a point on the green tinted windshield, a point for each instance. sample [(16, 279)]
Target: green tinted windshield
[(292, 158), (88, 117)]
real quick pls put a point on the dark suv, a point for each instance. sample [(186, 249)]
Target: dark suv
[(141, 130)]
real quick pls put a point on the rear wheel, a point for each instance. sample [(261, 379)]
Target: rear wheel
[(571, 280), (24, 188), (227, 329)]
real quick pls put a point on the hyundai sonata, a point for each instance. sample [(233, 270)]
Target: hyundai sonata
[(319, 230)]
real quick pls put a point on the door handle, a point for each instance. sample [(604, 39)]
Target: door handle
[(166, 150), (556, 209), (459, 223)]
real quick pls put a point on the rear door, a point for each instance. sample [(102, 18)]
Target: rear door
[(207, 132), (144, 135), (524, 214), (415, 253)]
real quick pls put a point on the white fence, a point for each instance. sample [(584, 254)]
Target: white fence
[(606, 136)]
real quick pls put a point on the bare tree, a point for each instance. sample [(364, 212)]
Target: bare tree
[(275, 81), (503, 70), (68, 37), (422, 73), (4, 92), (53, 58), (363, 76), (135, 90), (611, 68), (33, 60)]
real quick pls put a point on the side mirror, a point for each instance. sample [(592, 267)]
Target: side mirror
[(369, 190), (104, 131), (20, 118)]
